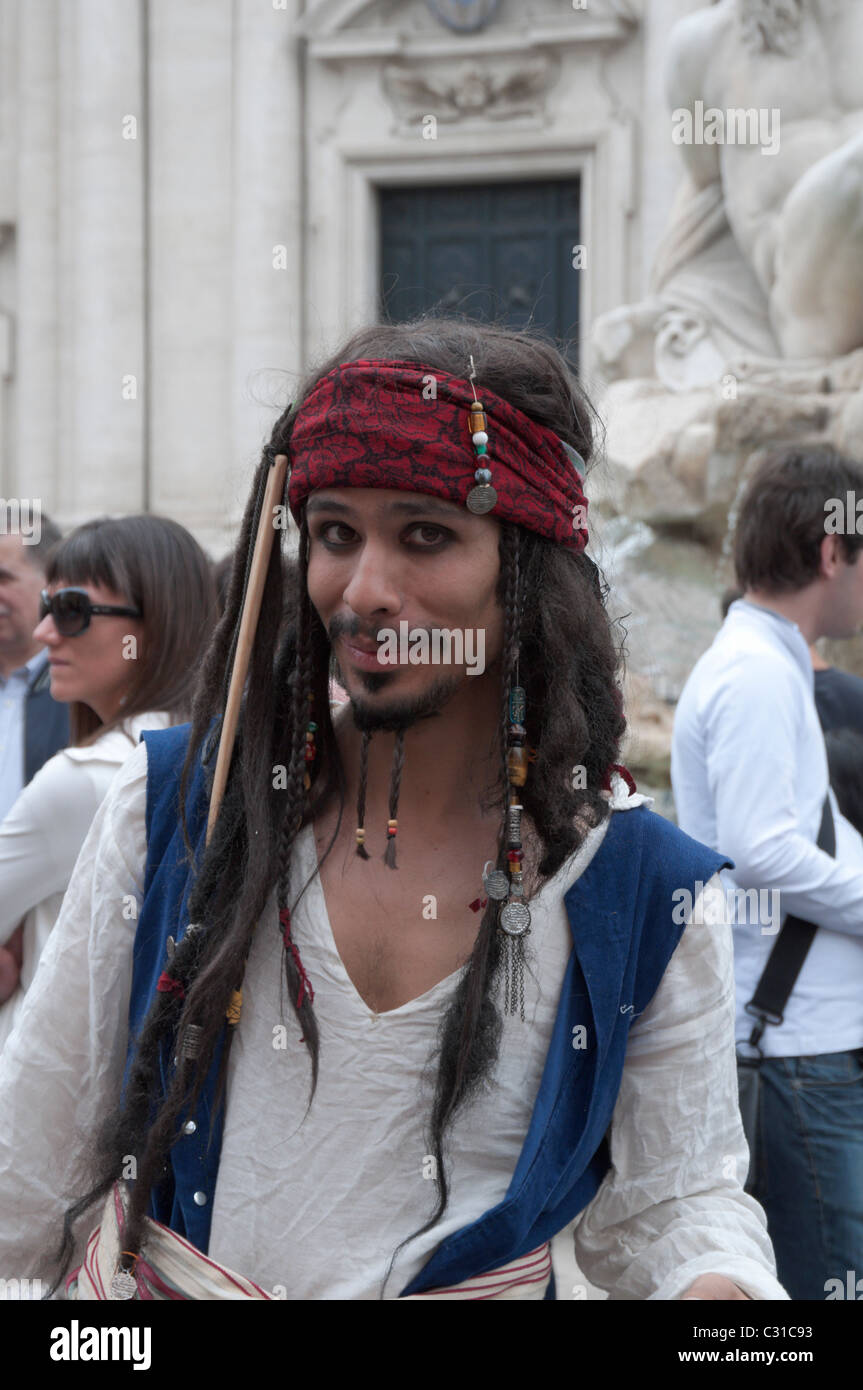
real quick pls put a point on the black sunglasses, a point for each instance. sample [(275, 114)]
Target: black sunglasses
[(72, 610)]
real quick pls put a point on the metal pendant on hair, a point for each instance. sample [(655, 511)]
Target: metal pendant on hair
[(191, 1044), (495, 883), (515, 919), (513, 977), (124, 1285), (481, 499), (514, 927)]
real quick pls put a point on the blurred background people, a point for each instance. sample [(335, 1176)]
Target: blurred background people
[(33, 724), (839, 701), (119, 671), (845, 760), (838, 695), (750, 777)]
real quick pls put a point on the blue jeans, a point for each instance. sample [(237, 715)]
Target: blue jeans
[(809, 1174)]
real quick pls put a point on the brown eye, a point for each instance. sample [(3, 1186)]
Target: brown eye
[(429, 537), (326, 533)]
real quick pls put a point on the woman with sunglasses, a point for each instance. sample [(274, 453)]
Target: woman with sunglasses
[(127, 612)]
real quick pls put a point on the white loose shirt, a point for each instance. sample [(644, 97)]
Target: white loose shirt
[(749, 773), (311, 1206), (41, 838)]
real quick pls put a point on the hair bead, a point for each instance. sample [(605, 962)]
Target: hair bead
[(481, 498), (311, 750), (395, 789), (517, 704), (361, 850), (516, 761), (514, 920), (478, 422), (190, 1047)]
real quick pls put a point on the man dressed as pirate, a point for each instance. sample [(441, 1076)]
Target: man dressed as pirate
[(422, 993)]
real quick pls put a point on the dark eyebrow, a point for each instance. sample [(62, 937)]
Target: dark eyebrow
[(425, 506), (320, 504)]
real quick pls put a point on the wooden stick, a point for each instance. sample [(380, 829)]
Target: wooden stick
[(248, 626)]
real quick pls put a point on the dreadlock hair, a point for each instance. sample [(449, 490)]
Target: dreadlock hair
[(395, 788), (361, 794), (569, 669)]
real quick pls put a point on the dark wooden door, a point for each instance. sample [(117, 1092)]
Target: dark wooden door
[(497, 251)]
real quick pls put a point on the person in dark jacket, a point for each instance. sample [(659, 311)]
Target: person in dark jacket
[(33, 725)]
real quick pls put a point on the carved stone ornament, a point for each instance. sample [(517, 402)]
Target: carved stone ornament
[(464, 16), (499, 90)]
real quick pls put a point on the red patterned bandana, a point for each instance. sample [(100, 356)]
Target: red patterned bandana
[(401, 425)]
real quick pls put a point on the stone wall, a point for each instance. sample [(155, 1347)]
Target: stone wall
[(188, 213)]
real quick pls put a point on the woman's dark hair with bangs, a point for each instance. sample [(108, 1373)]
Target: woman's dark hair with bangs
[(155, 565), (554, 613)]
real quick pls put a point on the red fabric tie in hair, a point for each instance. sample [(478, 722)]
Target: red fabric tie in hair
[(402, 425), (305, 982), (625, 774), (166, 984)]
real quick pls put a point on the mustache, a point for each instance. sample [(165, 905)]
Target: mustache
[(340, 626), (350, 627)]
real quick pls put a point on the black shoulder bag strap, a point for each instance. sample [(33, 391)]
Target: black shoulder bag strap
[(789, 952)]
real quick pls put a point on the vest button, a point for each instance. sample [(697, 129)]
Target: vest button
[(200, 1199), (189, 1127)]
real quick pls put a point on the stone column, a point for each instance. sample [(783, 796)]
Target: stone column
[(191, 253), (100, 238), (32, 472), (267, 222)]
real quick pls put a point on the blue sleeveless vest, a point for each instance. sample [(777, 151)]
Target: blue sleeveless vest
[(620, 913)]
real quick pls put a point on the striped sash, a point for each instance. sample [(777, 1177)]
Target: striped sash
[(169, 1268), (526, 1278)]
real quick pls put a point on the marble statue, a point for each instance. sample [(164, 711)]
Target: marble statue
[(761, 266)]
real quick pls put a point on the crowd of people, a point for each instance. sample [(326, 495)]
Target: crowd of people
[(333, 1080)]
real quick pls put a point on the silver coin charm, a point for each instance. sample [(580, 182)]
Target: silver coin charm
[(481, 499), (496, 884), (515, 919), (123, 1285)]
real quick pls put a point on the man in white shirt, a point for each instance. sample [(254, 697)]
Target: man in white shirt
[(749, 773), (361, 1017)]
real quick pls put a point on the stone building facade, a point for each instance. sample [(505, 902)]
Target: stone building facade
[(191, 195)]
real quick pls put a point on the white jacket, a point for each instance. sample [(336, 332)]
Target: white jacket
[(42, 835)]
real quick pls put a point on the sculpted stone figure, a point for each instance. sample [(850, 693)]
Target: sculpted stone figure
[(761, 263)]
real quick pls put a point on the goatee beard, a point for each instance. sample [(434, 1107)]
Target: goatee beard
[(399, 714)]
